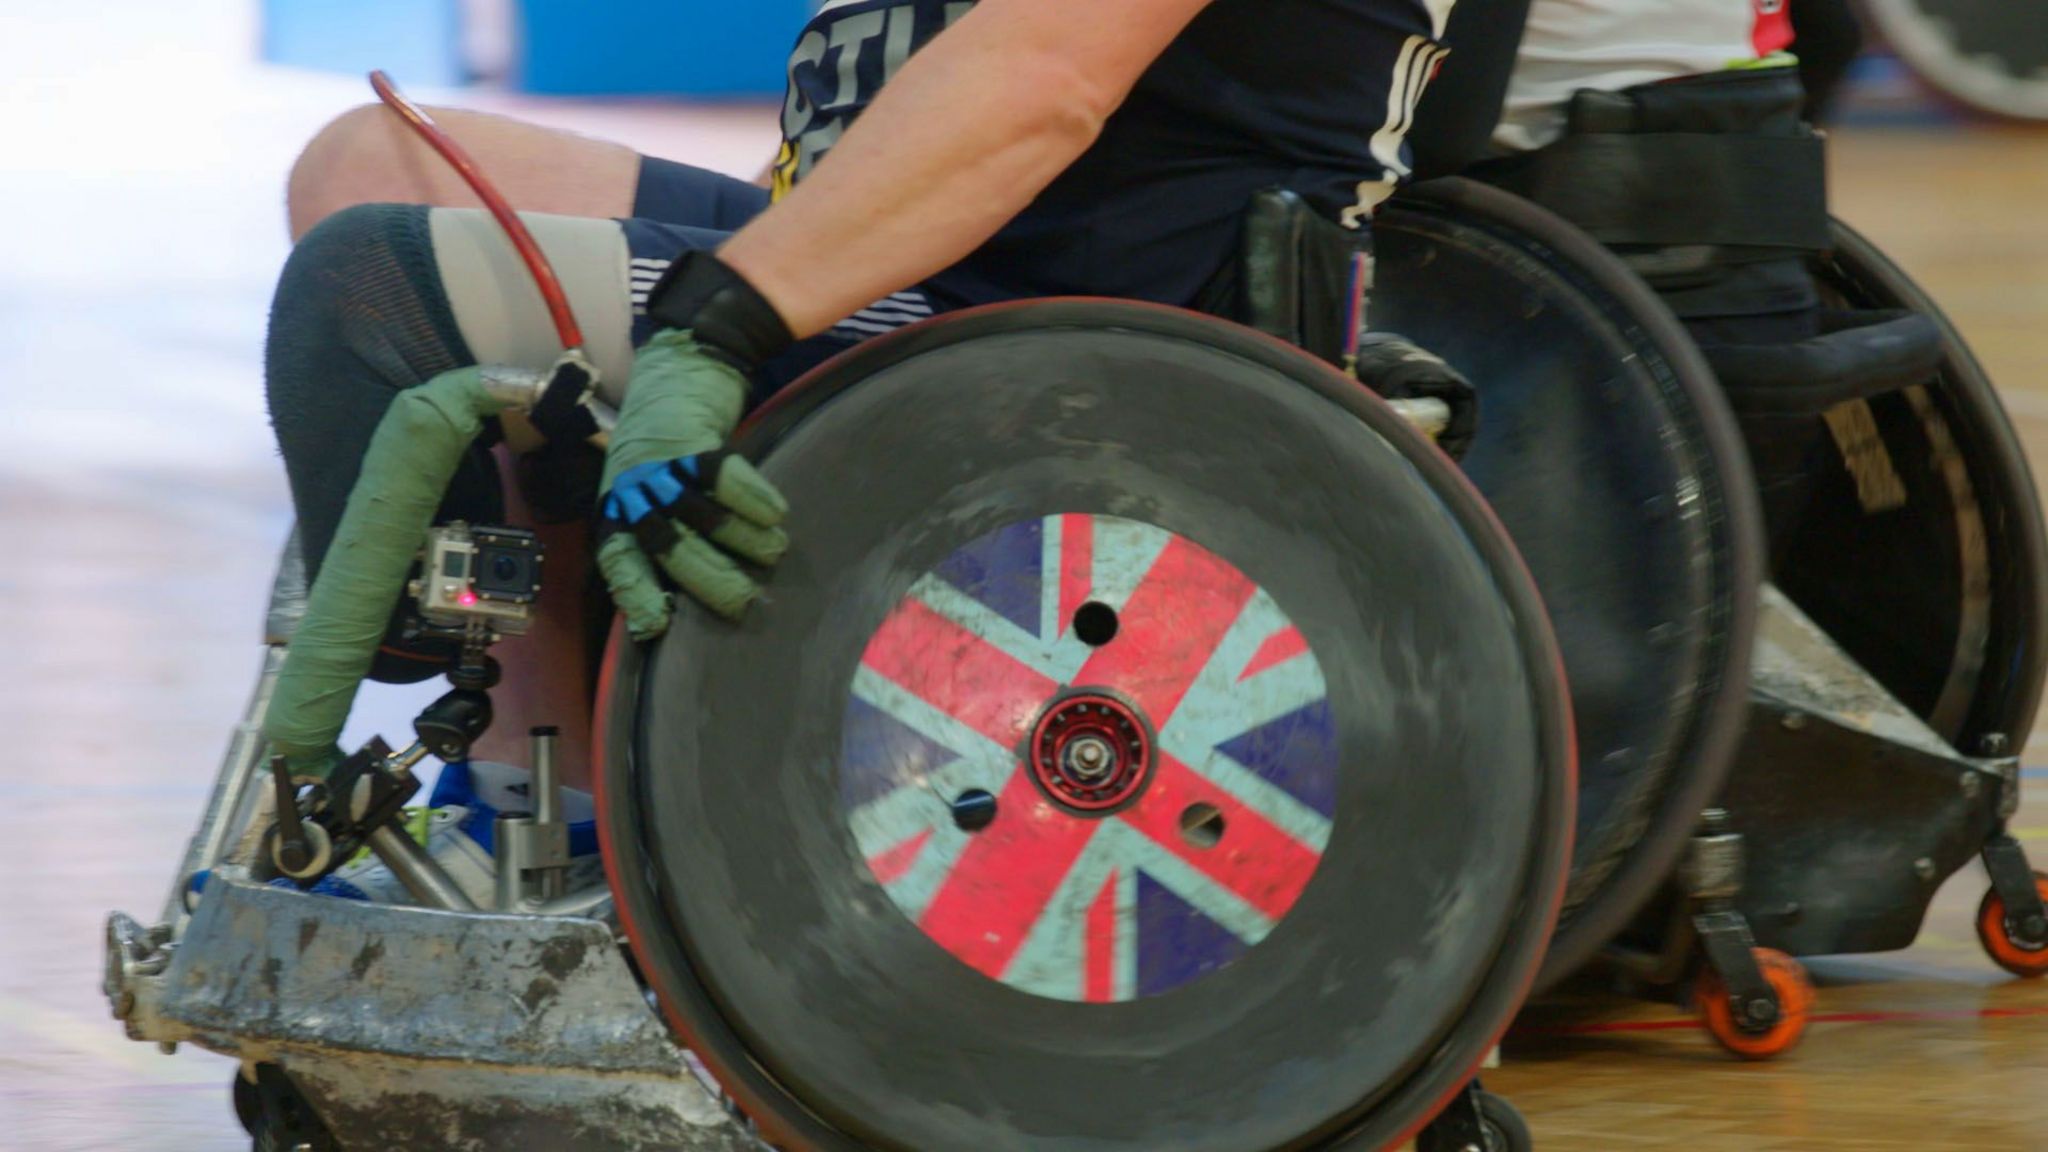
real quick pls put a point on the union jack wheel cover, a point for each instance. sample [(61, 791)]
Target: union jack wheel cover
[(966, 778), (1289, 529)]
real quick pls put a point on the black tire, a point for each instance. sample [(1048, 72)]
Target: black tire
[(248, 1105), (1578, 364), (276, 1117), (1506, 1130), (1941, 600), (713, 871), (1502, 1126)]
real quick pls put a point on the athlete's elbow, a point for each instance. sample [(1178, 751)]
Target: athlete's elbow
[(1070, 107)]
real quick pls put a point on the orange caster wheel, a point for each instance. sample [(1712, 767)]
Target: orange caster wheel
[(1996, 932), (1758, 1030)]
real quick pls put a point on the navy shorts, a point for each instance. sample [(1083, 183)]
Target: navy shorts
[(678, 208)]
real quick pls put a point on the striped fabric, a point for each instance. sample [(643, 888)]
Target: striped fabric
[(896, 310)]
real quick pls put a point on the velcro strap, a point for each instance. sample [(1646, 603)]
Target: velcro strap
[(700, 471), (1685, 188), (655, 534), (561, 416), (698, 512)]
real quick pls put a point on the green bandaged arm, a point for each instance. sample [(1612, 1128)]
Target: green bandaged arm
[(411, 460)]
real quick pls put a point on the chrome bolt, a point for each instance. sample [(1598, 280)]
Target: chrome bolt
[(1090, 757), (1924, 868)]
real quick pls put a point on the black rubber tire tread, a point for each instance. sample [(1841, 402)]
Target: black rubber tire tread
[(1505, 1121), (1618, 873)]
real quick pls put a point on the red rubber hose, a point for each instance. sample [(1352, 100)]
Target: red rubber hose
[(544, 276)]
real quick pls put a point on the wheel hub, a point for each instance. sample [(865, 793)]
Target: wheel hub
[(1090, 753)]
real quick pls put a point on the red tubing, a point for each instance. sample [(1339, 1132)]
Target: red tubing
[(529, 251)]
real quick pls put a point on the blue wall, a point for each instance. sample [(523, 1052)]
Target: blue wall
[(418, 41), (734, 48)]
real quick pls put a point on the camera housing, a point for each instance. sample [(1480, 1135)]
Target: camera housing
[(479, 575)]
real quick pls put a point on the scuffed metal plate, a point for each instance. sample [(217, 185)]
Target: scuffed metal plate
[(415, 1028)]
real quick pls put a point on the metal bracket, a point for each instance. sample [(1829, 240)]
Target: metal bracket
[(2006, 770), (134, 954), (2013, 879), (1731, 951), (1712, 869)]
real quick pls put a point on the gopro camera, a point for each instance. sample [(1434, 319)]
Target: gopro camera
[(473, 575)]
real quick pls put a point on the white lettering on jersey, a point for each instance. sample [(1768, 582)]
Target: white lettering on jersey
[(1413, 68)]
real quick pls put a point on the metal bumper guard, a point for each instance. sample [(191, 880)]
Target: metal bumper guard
[(406, 1027)]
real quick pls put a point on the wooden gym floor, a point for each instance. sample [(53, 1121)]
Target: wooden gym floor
[(141, 506)]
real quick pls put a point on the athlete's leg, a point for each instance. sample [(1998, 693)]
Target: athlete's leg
[(381, 298), (368, 156)]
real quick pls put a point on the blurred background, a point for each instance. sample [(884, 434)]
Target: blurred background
[(143, 151)]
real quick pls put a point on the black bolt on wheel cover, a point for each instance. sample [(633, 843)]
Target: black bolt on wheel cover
[(1608, 451), (1299, 922)]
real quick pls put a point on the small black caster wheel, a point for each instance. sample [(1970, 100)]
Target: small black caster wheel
[(276, 1117), (248, 1105), (1506, 1131), (1503, 1127)]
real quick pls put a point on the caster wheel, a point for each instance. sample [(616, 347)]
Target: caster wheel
[(248, 1105), (1758, 1040), (1506, 1131), (276, 1117), (1995, 932), (1504, 1128)]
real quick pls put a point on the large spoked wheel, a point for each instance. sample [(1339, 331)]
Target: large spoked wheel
[(1924, 554), (1149, 742), (1990, 57), (1609, 452)]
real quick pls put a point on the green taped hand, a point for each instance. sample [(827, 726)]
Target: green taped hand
[(675, 498)]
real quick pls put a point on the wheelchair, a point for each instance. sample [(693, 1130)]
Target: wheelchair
[(1163, 745), (1789, 739)]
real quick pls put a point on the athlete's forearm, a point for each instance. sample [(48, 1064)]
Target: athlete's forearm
[(972, 129)]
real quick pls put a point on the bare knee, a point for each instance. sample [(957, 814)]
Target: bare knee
[(363, 156), (368, 156)]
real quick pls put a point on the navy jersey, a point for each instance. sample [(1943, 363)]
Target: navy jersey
[(1313, 95)]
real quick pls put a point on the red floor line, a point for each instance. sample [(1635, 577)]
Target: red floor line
[(1817, 1018)]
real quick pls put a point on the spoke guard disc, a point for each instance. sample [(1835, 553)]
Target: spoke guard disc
[(1148, 743)]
